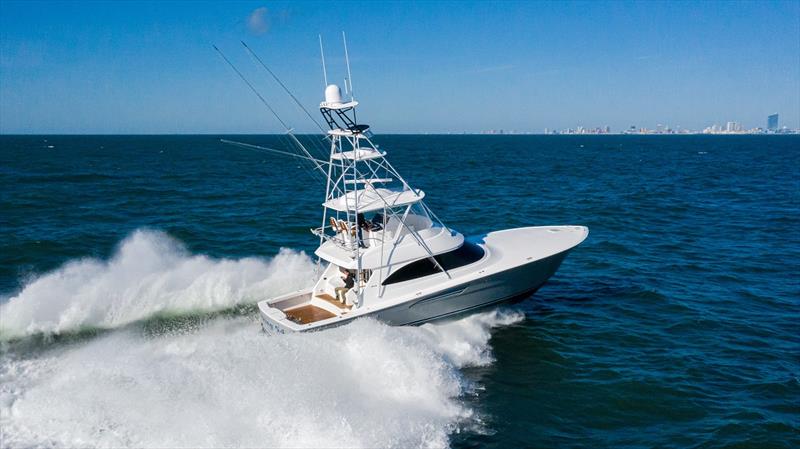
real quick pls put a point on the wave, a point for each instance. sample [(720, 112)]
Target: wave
[(149, 274), (229, 385)]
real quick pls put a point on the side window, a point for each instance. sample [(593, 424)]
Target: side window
[(418, 269), (466, 254)]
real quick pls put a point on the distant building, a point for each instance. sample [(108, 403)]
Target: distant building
[(772, 123)]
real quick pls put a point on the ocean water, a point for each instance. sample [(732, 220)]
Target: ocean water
[(129, 266)]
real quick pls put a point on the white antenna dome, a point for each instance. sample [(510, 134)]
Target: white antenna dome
[(333, 94)]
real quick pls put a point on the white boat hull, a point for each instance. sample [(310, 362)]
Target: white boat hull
[(516, 283), (518, 262)]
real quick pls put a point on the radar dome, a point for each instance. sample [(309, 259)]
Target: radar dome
[(333, 94)]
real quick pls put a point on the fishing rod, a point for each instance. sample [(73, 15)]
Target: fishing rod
[(260, 97)]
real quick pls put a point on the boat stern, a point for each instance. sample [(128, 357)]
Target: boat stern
[(273, 318), (302, 311)]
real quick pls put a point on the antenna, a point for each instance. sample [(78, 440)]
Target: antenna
[(322, 53), (347, 59)]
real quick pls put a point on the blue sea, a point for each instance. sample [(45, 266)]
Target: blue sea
[(129, 266)]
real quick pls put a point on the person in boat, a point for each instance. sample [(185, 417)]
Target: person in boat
[(349, 281), (363, 225), (377, 222)]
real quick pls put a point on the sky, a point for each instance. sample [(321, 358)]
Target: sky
[(417, 67)]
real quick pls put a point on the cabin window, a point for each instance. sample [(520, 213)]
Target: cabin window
[(466, 254)]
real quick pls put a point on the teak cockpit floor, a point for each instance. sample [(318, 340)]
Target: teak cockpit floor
[(333, 301), (308, 314)]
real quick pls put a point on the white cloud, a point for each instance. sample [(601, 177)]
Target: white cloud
[(258, 21)]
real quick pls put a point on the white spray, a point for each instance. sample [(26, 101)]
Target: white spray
[(224, 384), (150, 273)]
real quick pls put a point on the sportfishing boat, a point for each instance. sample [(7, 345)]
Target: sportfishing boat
[(383, 252)]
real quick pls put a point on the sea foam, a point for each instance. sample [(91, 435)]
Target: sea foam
[(149, 274), (229, 385)]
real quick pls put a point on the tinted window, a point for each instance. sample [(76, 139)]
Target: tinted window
[(466, 254)]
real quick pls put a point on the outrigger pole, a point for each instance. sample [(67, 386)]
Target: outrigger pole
[(286, 89), (260, 97), (285, 126), (285, 153)]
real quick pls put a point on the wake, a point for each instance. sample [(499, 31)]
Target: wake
[(221, 382), (150, 274)]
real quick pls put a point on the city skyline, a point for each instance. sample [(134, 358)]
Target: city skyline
[(442, 67), (730, 127)]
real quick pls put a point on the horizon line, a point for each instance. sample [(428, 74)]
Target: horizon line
[(696, 133)]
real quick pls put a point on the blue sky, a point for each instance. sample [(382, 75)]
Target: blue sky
[(149, 67)]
